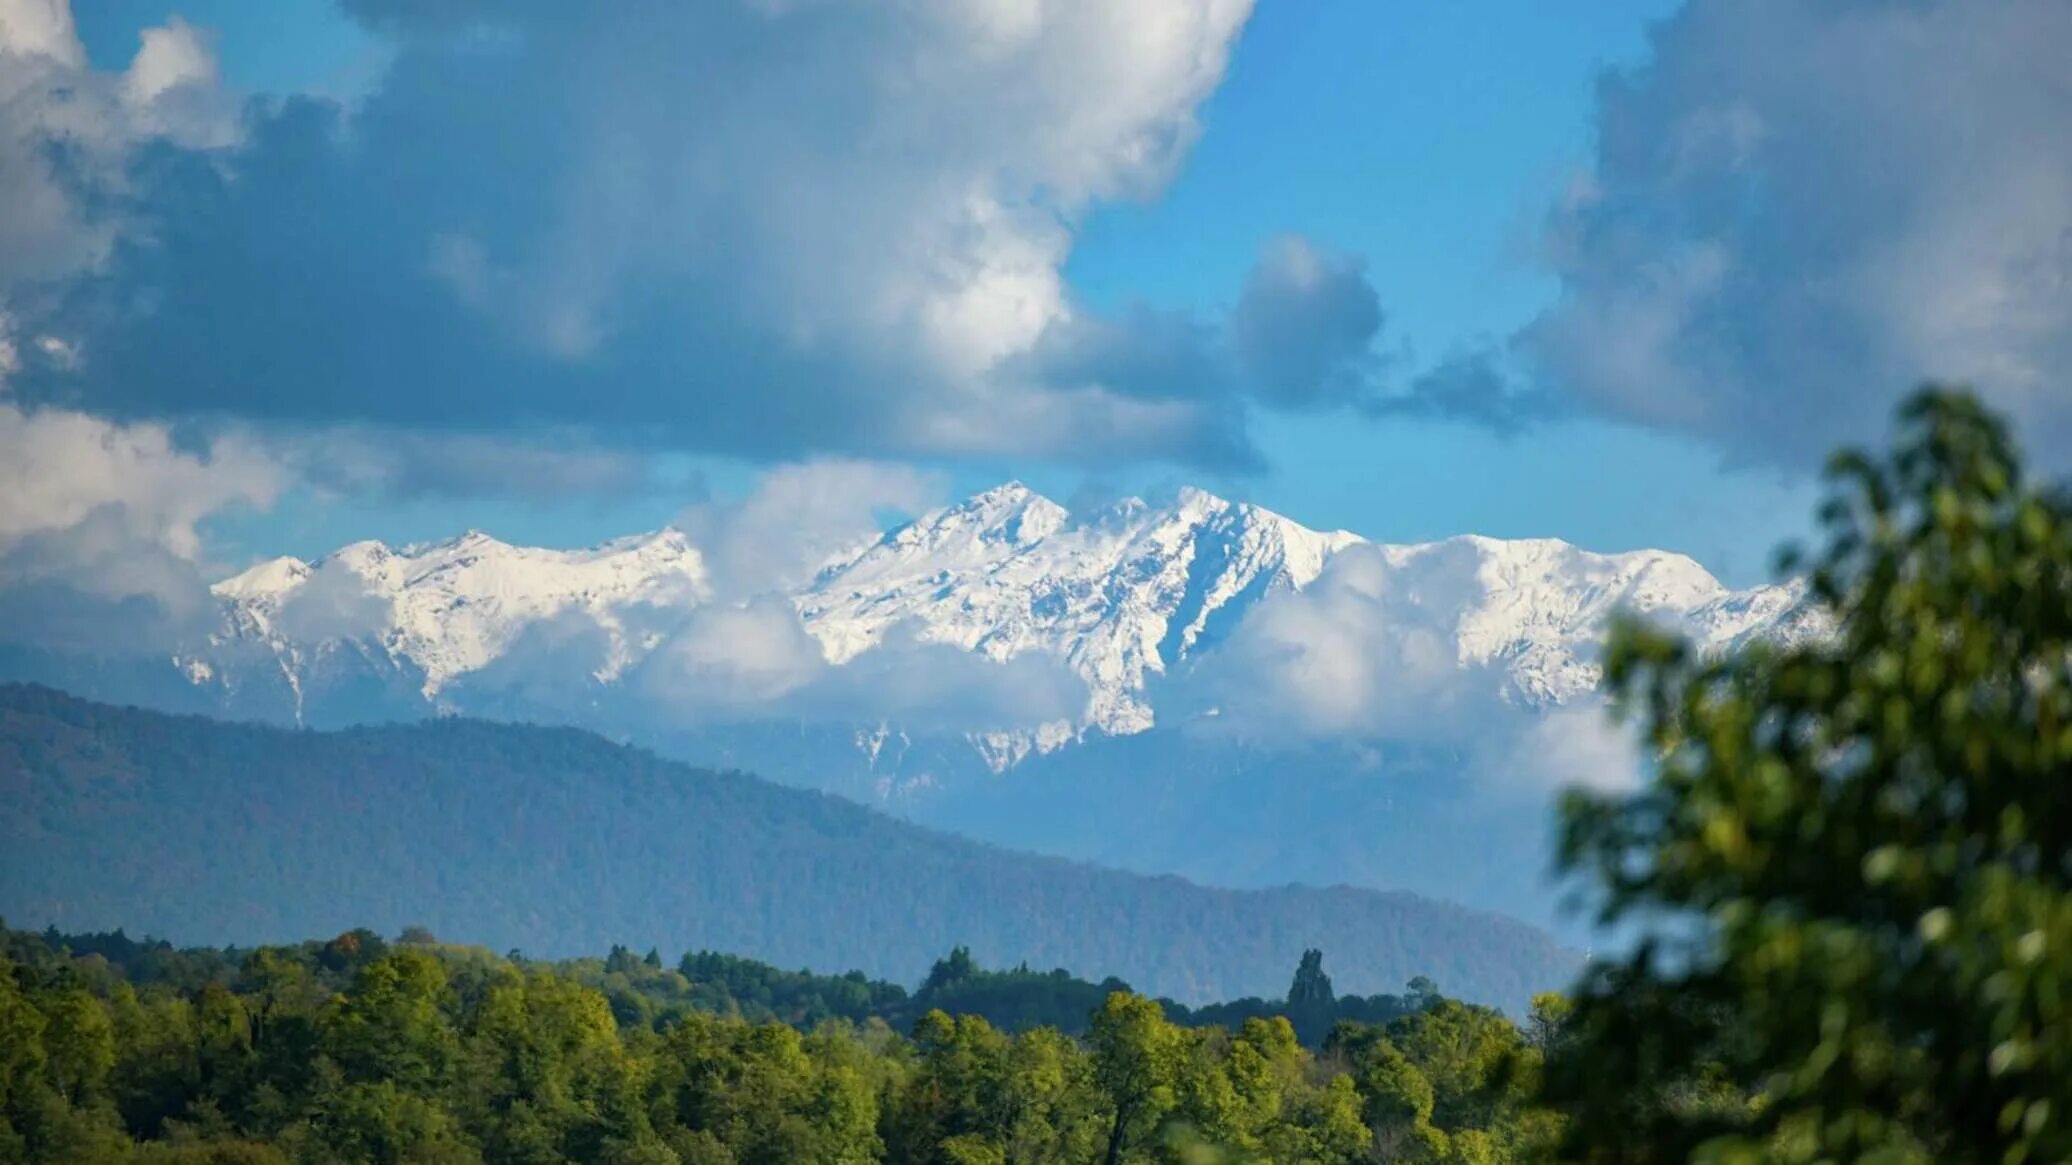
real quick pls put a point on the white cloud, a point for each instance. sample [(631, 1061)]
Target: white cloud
[(1369, 654), (59, 467), (733, 660), (335, 602), (776, 230), (99, 541), (67, 132), (1355, 653), (798, 516), (754, 661), (1578, 746), (168, 57), (41, 28), (1799, 209)]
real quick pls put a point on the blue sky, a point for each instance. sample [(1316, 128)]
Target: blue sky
[(1603, 206)]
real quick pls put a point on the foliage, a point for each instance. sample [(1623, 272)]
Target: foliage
[(1861, 845), (360, 1050)]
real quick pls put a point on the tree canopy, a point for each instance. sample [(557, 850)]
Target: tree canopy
[(359, 1050), (1855, 851)]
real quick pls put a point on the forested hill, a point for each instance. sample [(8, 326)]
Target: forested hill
[(556, 841)]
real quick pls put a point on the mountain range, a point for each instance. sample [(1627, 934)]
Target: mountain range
[(1134, 685), (1122, 597)]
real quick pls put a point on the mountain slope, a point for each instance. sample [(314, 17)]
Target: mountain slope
[(556, 841)]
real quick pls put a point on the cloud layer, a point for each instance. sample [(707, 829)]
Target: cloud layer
[(67, 133), (1302, 337), (99, 542), (1363, 656), (761, 229), (1801, 208)]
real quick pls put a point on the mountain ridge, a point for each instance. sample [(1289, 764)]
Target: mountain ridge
[(559, 841), (1121, 597)]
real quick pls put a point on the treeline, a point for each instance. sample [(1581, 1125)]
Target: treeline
[(643, 992), (358, 1049)]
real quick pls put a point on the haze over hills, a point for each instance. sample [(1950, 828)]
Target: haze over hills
[(998, 665), (557, 841)]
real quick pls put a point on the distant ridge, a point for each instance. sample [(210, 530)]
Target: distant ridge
[(557, 841)]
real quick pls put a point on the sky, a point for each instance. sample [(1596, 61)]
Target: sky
[(283, 276)]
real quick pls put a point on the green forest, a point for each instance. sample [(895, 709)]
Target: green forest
[(359, 1049)]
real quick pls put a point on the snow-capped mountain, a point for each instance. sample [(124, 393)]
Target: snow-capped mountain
[(1122, 597), (447, 609), (1119, 597)]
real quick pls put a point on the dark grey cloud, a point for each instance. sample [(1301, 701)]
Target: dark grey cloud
[(1475, 386), (1303, 336), (1305, 327), (756, 229), (1142, 352), (363, 460), (1798, 209)]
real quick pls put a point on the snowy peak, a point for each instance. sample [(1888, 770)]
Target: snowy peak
[(275, 576), (452, 607), (1536, 607), (1120, 596), (983, 527)]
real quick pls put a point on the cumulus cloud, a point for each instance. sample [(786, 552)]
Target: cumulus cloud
[(1356, 653), (58, 467), (763, 229), (67, 132), (754, 661), (1302, 337), (798, 516), (1475, 386), (1305, 327), (1360, 657), (100, 547), (1798, 209)]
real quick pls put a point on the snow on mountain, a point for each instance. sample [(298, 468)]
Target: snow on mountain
[(448, 608), (1121, 596), (1538, 606)]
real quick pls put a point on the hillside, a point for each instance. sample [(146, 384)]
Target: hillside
[(556, 841)]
